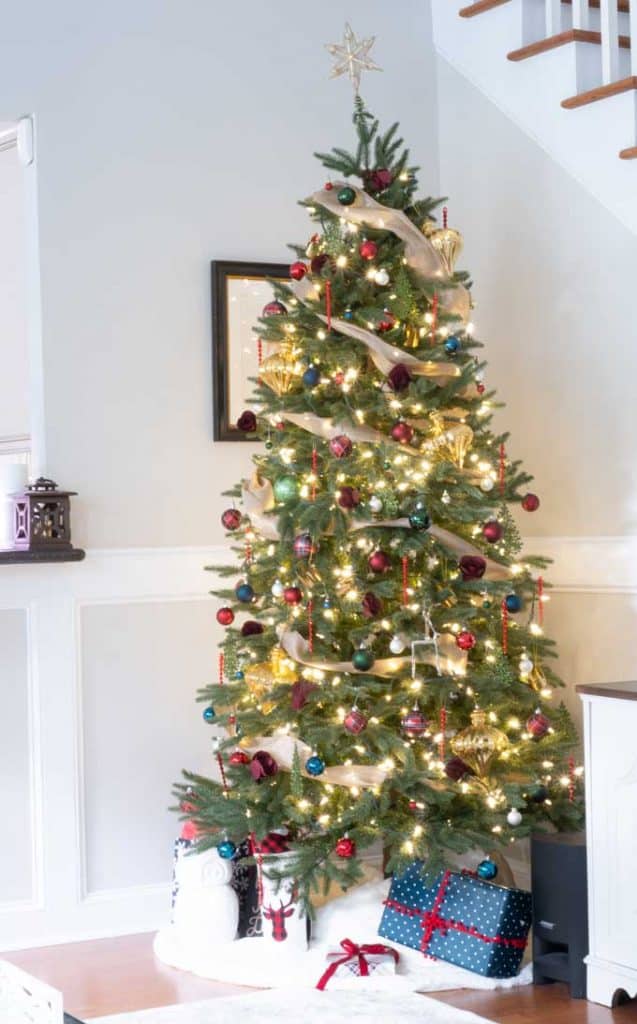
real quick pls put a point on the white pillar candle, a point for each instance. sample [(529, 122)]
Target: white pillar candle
[(13, 478)]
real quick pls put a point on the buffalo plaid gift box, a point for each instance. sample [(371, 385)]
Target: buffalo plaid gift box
[(359, 961), (459, 918)]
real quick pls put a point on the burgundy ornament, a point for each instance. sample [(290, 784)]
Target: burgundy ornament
[(414, 723), (299, 693), (262, 765), (318, 262), (371, 605), (386, 323), (402, 432), (349, 497), (472, 567), (292, 595), (378, 180), (298, 270), (239, 757), (538, 724), (530, 502), (231, 519), (368, 249), (456, 769), (225, 616), (251, 628), (465, 640), (492, 531), (247, 422), (274, 308), (379, 561), (303, 546), (340, 446), (345, 847), (355, 721), (398, 377)]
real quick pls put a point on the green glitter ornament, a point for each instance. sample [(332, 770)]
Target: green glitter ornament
[(285, 488)]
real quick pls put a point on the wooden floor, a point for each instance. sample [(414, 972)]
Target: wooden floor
[(116, 975)]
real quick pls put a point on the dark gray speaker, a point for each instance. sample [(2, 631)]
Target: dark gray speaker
[(560, 913)]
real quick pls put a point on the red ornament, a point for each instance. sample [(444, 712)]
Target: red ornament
[(465, 640), (298, 270), (355, 721), (303, 546), (339, 377), (368, 250), (345, 847), (388, 321), (492, 531), (402, 432), (273, 308), (231, 519), (341, 446), (413, 805), (225, 616), (480, 388), (538, 724), (239, 757), (379, 561), (189, 830), (530, 502), (292, 595), (328, 186), (414, 723)]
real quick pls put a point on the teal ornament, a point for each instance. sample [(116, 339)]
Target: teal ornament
[(209, 714), (285, 488), (486, 603), (419, 518), (244, 593), (226, 849), (346, 195), (513, 603), (348, 314), (327, 602), (269, 445), (311, 376), (452, 345), (315, 765), (487, 870), (239, 676), (362, 659)]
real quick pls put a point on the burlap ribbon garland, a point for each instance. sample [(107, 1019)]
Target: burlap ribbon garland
[(420, 255), (258, 500), (281, 747), (448, 656)]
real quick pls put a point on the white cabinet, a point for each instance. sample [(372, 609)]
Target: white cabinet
[(610, 741)]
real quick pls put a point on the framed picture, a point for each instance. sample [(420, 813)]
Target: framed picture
[(239, 293)]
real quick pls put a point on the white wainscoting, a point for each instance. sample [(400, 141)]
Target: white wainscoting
[(100, 664)]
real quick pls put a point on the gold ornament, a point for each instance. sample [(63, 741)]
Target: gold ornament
[(479, 743), (412, 336), (536, 679), (448, 244), (283, 668), (281, 371), (259, 681), (452, 438), (428, 227)]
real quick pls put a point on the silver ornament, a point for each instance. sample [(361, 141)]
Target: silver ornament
[(446, 498), (397, 644), (487, 484), (514, 818), (277, 589), (375, 503), (381, 277), (526, 665)]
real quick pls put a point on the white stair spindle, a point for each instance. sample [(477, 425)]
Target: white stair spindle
[(553, 17), (633, 37), (610, 40), (580, 14)]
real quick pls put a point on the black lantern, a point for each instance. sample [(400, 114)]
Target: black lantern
[(42, 523)]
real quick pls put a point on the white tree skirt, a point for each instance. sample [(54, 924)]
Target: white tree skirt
[(362, 1007), (354, 916)]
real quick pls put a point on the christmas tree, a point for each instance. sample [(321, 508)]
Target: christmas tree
[(390, 678)]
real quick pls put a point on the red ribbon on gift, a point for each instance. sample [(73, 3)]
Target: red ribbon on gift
[(432, 920), (351, 951)]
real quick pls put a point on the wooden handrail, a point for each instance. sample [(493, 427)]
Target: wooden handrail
[(480, 7), (600, 92)]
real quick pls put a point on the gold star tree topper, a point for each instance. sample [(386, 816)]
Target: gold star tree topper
[(351, 57)]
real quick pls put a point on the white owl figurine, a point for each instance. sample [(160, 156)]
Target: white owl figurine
[(206, 907)]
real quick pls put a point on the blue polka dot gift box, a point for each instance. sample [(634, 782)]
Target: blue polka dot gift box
[(460, 919)]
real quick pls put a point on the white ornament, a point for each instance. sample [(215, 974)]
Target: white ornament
[(487, 484), (206, 906), (397, 644), (375, 503), (514, 817), (277, 589), (381, 277), (351, 57), (446, 498), (526, 665)]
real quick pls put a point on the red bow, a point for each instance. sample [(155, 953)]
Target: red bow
[(351, 950)]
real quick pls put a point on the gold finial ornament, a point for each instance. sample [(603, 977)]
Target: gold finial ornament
[(479, 743), (448, 244), (280, 371)]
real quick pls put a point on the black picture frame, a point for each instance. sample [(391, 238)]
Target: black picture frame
[(222, 272)]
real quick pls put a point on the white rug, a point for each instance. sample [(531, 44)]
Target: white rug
[(363, 1007), (354, 916)]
